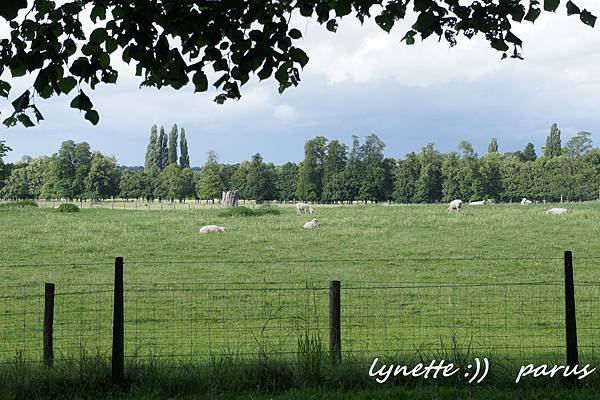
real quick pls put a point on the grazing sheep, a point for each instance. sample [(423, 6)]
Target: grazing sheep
[(557, 211), (304, 207), (212, 229), (455, 205), (477, 203), (312, 224), (525, 202)]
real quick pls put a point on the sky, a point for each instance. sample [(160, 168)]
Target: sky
[(358, 81)]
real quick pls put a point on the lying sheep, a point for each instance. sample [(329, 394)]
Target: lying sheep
[(557, 211), (212, 229), (303, 207), (477, 203), (525, 202), (312, 224), (455, 205)]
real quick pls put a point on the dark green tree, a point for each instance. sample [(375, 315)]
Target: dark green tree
[(451, 183), (429, 185), (553, 145), (406, 177), (238, 180), (102, 180), (310, 173), (4, 149), (134, 184), (529, 152), (260, 180), (184, 158), (161, 152), (17, 185), (210, 185), (372, 171), (493, 146), (333, 169), (352, 174), (285, 181), (172, 146), (151, 150)]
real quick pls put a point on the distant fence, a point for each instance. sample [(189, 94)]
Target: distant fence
[(531, 320)]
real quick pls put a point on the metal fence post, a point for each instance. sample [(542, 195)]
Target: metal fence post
[(570, 320), (118, 340), (335, 328), (48, 324)]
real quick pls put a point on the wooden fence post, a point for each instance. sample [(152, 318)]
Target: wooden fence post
[(48, 324), (118, 342), (570, 320), (335, 328)]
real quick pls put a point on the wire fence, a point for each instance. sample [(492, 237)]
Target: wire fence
[(513, 320)]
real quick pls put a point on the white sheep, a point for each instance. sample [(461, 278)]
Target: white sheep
[(312, 224), (557, 211), (525, 202), (455, 205), (304, 207), (477, 203), (212, 229)]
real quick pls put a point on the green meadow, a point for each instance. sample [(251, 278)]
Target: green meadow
[(417, 283)]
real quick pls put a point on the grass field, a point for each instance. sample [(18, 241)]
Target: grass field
[(416, 281)]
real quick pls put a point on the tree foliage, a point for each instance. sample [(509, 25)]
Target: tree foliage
[(177, 43)]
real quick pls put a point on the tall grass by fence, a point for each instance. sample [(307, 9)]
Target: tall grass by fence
[(513, 320)]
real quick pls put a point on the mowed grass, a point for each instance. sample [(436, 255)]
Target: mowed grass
[(244, 291)]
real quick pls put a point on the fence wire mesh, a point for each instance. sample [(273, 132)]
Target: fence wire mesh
[(197, 320)]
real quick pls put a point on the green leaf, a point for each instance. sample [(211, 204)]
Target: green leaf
[(295, 33), (332, 25), (98, 12), (499, 44), (10, 8), (422, 5), (299, 56), (67, 84), (25, 120), (588, 18), (572, 8), (22, 102), (385, 22), (111, 45), (81, 102), (4, 88), (551, 5), (533, 14), (200, 82), (98, 36), (38, 115), (92, 116)]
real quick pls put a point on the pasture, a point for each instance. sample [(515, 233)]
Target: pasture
[(416, 281)]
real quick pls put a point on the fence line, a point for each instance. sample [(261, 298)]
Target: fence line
[(195, 320)]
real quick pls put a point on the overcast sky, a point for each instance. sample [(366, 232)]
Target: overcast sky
[(358, 81)]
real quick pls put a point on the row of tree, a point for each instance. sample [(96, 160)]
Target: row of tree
[(329, 172), (162, 150)]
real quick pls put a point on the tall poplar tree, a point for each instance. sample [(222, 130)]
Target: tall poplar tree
[(553, 145), (184, 158), (172, 148), (151, 155), (161, 149)]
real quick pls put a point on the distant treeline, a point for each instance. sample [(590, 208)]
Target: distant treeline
[(330, 172)]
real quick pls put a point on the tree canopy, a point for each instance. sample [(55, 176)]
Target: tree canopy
[(175, 43)]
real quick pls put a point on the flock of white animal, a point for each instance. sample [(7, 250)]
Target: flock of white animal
[(457, 205), (300, 208)]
